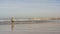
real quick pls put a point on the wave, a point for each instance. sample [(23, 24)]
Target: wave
[(24, 20), (17, 20)]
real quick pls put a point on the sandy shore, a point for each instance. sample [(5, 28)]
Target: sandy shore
[(42, 28)]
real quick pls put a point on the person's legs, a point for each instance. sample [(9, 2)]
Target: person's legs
[(12, 26)]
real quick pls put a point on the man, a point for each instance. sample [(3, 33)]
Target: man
[(12, 24)]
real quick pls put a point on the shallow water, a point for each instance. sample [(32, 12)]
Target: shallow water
[(52, 27)]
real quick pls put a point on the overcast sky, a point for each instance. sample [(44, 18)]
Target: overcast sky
[(29, 8)]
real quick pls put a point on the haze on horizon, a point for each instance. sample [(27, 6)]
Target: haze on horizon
[(29, 8)]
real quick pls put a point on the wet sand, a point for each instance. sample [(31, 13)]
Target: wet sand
[(40, 28)]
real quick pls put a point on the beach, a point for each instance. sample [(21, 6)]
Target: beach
[(37, 28)]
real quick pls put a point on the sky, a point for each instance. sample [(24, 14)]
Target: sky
[(29, 8)]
